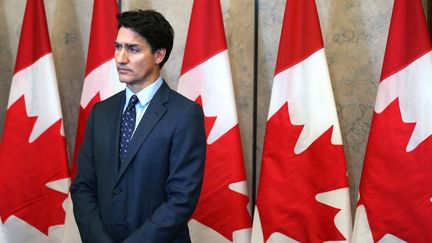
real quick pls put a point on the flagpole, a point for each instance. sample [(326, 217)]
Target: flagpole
[(119, 3), (255, 105)]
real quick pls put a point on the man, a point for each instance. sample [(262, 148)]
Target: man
[(141, 165)]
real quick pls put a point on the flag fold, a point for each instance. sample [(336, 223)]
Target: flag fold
[(222, 214), (34, 174), (395, 195), (303, 189)]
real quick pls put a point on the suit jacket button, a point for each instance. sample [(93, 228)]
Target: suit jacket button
[(116, 191)]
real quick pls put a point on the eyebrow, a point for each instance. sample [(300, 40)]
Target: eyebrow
[(126, 45)]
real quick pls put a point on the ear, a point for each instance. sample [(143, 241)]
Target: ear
[(159, 55)]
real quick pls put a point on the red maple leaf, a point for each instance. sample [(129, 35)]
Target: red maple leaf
[(219, 207), (25, 168), (289, 183), (396, 186)]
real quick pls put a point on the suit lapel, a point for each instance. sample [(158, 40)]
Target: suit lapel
[(114, 118), (151, 117)]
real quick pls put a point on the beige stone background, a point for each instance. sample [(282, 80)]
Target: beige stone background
[(354, 32)]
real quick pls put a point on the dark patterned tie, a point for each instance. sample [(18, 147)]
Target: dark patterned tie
[(127, 127)]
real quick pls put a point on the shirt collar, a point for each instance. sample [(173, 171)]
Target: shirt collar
[(146, 94)]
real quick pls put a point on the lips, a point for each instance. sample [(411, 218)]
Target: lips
[(123, 70)]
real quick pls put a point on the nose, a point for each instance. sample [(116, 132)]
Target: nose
[(121, 56)]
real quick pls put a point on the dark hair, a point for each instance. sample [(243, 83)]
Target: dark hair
[(152, 26)]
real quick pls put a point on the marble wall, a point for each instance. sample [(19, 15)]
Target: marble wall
[(354, 32)]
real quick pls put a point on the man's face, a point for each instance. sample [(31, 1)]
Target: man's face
[(136, 64)]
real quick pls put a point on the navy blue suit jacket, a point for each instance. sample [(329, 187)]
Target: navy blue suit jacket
[(155, 191)]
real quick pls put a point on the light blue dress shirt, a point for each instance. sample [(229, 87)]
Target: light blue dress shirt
[(144, 97)]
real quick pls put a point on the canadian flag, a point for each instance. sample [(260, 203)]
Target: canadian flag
[(395, 198), (101, 78), (101, 81), (34, 173), (303, 189), (222, 213)]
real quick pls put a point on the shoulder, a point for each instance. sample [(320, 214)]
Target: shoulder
[(114, 99), (182, 103), (110, 102)]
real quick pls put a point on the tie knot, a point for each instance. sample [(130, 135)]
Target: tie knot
[(132, 102)]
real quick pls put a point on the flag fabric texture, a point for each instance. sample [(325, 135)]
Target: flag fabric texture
[(222, 213), (101, 78), (101, 81), (303, 191), (395, 196), (34, 173)]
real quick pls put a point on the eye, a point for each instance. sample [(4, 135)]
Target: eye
[(134, 50), (117, 46)]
